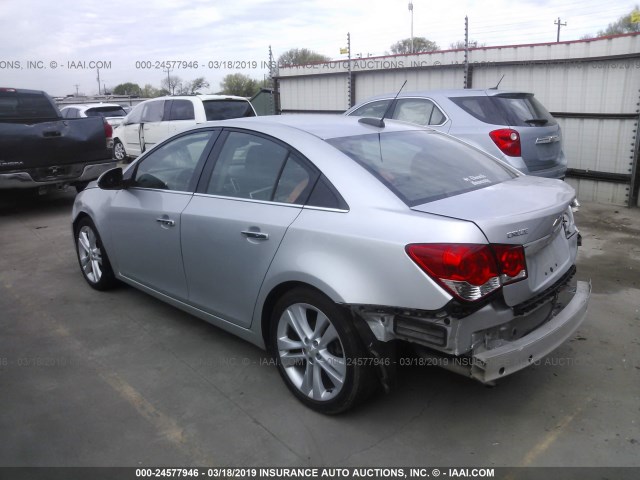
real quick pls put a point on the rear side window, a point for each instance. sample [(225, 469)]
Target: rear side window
[(180, 110), (515, 110), (224, 109), (419, 111), (420, 167), (22, 105), (524, 111), (482, 108)]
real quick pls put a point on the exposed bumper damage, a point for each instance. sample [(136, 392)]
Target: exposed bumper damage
[(490, 343)]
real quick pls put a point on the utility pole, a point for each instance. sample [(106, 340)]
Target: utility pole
[(98, 80), (168, 81), (466, 52), (76, 85), (559, 24), (411, 10), (349, 72)]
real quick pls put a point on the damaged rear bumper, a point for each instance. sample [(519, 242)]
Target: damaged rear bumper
[(489, 365)]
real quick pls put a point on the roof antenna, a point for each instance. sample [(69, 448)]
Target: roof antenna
[(496, 87), (379, 122)]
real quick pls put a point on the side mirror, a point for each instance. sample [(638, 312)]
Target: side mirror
[(111, 180)]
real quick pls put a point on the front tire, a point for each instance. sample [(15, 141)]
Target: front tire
[(318, 352), (92, 257), (119, 153)]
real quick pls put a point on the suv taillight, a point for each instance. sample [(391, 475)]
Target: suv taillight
[(507, 140), (470, 271)]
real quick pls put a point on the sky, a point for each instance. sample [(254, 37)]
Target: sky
[(55, 45)]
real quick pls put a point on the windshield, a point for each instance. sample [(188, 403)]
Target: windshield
[(224, 109), (420, 167), (106, 112)]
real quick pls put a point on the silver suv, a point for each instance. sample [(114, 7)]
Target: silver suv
[(510, 125)]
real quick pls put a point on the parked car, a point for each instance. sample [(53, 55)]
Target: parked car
[(111, 112), (514, 126), (154, 120), (328, 240), (41, 150)]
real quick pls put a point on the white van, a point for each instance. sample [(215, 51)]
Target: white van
[(154, 120)]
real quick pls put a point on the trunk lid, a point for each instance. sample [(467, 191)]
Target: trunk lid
[(524, 211)]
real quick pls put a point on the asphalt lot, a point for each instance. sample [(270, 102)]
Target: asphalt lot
[(121, 379)]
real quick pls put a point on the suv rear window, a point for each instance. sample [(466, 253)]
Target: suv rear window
[(421, 167), (106, 112), (515, 110), (21, 105), (224, 109)]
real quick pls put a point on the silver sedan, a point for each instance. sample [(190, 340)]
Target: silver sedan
[(328, 240)]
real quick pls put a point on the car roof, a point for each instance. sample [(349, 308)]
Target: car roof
[(201, 97), (458, 92), (323, 126), (90, 105)]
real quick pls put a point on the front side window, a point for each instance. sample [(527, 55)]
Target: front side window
[(135, 115), (254, 167), (172, 166), (420, 167), (153, 111), (372, 109)]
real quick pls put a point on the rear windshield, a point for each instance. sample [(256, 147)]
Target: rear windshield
[(515, 110), (421, 167), (20, 105), (223, 109), (106, 112)]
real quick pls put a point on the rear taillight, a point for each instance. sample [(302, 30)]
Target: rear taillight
[(507, 140), (470, 271), (108, 130)]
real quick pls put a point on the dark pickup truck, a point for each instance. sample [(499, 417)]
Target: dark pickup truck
[(39, 149)]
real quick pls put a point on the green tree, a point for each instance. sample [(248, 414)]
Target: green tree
[(301, 56), (239, 84), (149, 91), (127, 88), (420, 44), (622, 25)]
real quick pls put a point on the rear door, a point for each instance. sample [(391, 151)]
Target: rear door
[(540, 135), (233, 227)]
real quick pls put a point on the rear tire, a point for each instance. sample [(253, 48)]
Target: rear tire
[(319, 353), (92, 257), (119, 153)]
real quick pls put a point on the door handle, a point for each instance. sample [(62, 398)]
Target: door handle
[(258, 235), (167, 222)]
